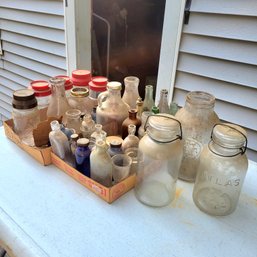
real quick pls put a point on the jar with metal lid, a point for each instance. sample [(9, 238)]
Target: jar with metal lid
[(79, 100), (222, 170), (111, 110), (68, 85), (42, 92), (25, 115), (159, 158), (81, 78), (197, 118)]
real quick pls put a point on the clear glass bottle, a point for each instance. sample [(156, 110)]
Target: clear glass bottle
[(163, 103), (101, 164), (73, 143), (82, 155), (98, 134), (68, 85), (139, 108), (73, 119), (87, 126), (111, 110), (148, 101), (131, 94), (131, 140), (141, 130), (159, 158), (79, 100), (132, 119), (60, 143), (197, 119), (25, 115), (222, 170), (58, 104)]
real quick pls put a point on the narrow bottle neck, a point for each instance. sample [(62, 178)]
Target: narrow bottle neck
[(58, 90)]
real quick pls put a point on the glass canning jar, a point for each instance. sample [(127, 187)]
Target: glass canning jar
[(222, 169), (25, 115), (159, 158), (197, 118)]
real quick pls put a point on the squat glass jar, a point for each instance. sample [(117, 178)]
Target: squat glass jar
[(222, 169), (197, 119), (159, 158)]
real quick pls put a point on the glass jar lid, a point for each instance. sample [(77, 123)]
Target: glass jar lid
[(229, 135), (163, 128), (79, 92)]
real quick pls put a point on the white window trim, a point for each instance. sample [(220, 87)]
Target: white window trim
[(78, 18)]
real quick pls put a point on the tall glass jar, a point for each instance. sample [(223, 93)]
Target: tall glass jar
[(25, 115), (73, 120), (131, 94), (58, 104), (222, 169), (79, 100), (148, 101), (197, 119), (159, 158), (111, 110)]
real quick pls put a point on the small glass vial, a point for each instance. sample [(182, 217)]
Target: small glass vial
[(148, 101), (60, 143), (87, 126), (73, 143), (82, 155), (79, 100), (25, 115), (141, 130), (163, 104), (139, 107), (101, 164), (73, 119), (131, 94), (222, 170), (159, 158), (81, 78), (131, 140)]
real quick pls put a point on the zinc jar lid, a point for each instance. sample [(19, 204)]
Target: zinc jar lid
[(81, 77), (24, 99), (229, 135), (80, 92), (68, 83), (164, 128)]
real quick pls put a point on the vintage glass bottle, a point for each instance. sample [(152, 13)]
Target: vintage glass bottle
[(111, 110), (82, 155), (87, 126), (98, 134), (68, 85), (58, 104), (148, 101), (155, 109), (73, 119), (139, 108), (25, 115), (60, 143), (141, 130), (197, 119), (101, 164), (163, 103), (222, 170), (73, 143), (115, 148), (131, 140), (159, 158), (131, 94), (132, 119)]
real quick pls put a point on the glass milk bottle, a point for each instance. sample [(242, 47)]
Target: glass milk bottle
[(222, 169), (111, 110), (163, 104), (131, 94), (101, 164), (159, 159), (197, 119)]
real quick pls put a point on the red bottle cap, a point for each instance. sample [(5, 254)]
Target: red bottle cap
[(81, 77), (68, 83), (40, 85), (98, 83)]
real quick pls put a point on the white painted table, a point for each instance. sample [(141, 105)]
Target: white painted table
[(43, 212)]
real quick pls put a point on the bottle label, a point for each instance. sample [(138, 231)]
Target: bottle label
[(192, 148)]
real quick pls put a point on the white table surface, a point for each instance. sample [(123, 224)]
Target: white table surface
[(43, 212)]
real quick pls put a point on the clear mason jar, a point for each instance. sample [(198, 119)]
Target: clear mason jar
[(222, 169), (159, 158), (197, 118), (25, 115)]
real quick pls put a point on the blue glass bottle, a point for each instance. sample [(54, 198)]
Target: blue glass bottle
[(82, 155)]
